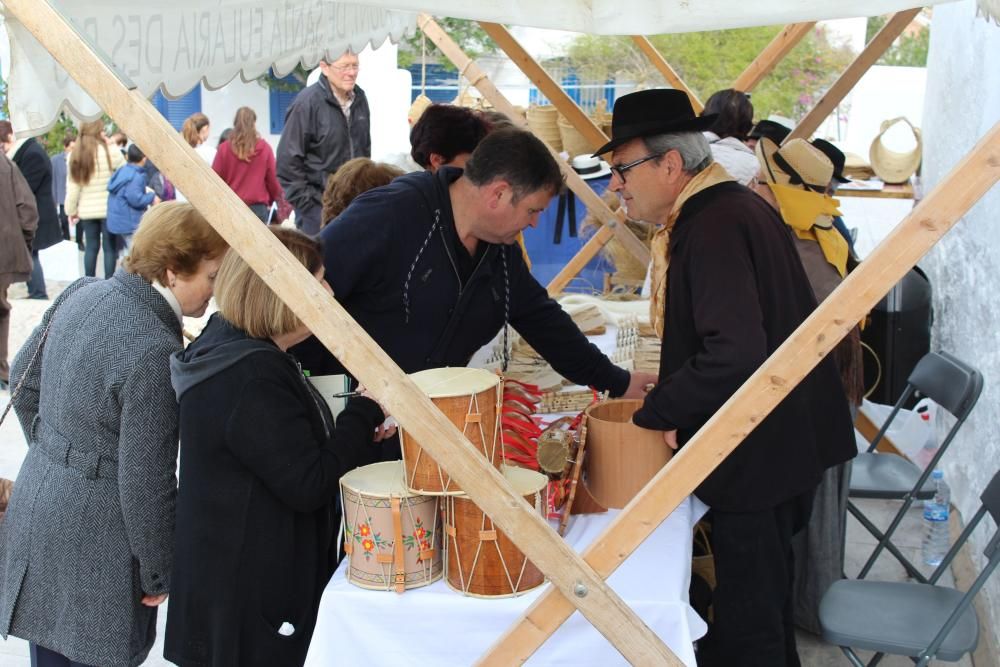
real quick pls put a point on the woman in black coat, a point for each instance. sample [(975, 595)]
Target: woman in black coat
[(36, 167), (260, 465)]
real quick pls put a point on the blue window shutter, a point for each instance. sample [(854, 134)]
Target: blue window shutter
[(280, 100), (176, 111)]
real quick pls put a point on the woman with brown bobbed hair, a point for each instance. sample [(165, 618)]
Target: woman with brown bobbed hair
[(91, 165), (350, 180), (86, 547), (260, 463), (246, 163), (195, 131)]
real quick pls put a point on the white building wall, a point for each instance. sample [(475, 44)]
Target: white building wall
[(962, 104)]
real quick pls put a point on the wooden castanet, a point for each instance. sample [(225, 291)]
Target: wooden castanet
[(392, 537), (480, 560), (470, 398), (621, 457)]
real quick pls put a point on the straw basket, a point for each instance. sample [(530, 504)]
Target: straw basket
[(544, 124), (573, 142), (892, 166), (621, 457)]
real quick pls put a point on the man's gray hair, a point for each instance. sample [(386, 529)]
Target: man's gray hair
[(692, 146)]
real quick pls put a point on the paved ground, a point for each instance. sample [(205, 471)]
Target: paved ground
[(62, 264)]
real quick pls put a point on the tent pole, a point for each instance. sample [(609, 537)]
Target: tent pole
[(342, 335), (773, 53), (589, 198), (790, 363), (666, 70), (838, 91), (552, 90)]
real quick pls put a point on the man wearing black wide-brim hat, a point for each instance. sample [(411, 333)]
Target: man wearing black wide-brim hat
[(728, 289)]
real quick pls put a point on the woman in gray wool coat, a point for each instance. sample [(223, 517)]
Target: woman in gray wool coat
[(86, 546)]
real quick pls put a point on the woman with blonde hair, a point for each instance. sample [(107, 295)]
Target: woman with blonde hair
[(195, 130), (91, 165), (246, 163), (353, 178), (86, 547), (256, 509)]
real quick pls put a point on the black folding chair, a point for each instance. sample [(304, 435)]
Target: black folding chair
[(954, 386), (919, 620)]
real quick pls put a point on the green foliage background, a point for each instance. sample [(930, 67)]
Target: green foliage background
[(711, 61), (467, 34), (909, 50)]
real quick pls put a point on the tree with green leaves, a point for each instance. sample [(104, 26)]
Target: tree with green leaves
[(467, 34), (909, 49), (711, 60)]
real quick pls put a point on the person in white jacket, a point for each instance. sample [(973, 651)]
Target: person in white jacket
[(728, 134), (91, 165)]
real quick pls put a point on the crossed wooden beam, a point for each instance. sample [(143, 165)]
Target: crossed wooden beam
[(578, 583)]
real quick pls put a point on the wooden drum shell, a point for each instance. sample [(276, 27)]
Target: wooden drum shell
[(621, 457), (480, 560), (470, 398), (368, 497)]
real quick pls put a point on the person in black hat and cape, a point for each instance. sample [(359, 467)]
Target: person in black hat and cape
[(737, 290), (838, 159)]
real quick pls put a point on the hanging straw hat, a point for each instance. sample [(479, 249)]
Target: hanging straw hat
[(890, 166), (796, 163), (418, 108)]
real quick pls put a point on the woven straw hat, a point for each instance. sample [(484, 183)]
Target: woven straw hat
[(891, 166), (418, 108), (796, 163)]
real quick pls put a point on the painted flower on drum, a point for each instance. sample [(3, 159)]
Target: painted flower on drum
[(363, 535), (421, 537)]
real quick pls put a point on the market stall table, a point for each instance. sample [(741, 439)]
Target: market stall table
[(437, 626)]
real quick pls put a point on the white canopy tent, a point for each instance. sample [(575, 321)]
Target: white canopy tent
[(577, 581), (172, 46)]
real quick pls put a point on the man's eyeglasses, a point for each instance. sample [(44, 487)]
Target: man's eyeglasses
[(346, 68), (620, 169)]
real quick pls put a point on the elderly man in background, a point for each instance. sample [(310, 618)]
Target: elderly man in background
[(728, 290), (18, 222), (326, 125)]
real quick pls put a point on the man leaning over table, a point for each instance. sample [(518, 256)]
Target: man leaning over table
[(728, 289), (429, 266)]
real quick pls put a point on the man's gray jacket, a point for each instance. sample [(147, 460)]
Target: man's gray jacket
[(317, 139)]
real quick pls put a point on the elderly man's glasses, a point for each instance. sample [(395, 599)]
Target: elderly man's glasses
[(346, 68), (620, 169)]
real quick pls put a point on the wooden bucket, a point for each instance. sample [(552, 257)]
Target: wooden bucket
[(392, 537), (542, 120), (481, 561), (621, 457), (573, 142), (470, 398)]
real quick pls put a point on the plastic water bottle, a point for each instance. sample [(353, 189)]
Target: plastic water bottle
[(936, 538)]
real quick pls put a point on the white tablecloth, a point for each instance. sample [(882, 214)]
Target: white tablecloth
[(437, 626)]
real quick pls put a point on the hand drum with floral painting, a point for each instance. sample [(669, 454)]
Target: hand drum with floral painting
[(392, 537)]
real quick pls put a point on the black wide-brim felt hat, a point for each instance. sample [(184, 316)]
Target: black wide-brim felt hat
[(776, 132), (836, 156), (650, 112)]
